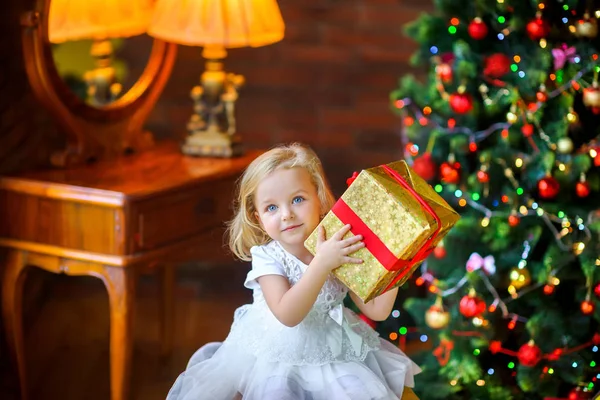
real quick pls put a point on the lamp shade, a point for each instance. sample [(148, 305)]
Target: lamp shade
[(227, 23), (97, 19)]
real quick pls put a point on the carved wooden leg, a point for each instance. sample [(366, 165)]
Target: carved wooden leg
[(120, 284), (167, 308), (12, 312)]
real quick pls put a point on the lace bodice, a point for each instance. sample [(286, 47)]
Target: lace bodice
[(329, 332), (332, 293)]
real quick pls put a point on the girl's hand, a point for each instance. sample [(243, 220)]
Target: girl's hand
[(333, 252)]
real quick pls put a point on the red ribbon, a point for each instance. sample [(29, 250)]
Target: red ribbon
[(375, 245)]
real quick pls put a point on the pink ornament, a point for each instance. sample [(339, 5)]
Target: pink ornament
[(487, 264), (563, 54)]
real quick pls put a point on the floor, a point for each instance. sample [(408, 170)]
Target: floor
[(68, 342)]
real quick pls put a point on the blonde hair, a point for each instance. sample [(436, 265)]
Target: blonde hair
[(244, 230)]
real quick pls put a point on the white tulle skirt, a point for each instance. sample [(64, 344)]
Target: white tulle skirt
[(261, 360), (229, 373)]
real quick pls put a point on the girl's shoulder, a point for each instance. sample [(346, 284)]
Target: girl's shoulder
[(265, 261), (263, 252), (273, 254)]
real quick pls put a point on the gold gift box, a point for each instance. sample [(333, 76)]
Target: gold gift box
[(395, 218)]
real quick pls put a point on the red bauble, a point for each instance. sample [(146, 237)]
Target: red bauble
[(529, 354), (582, 189), (444, 72), (483, 176), (425, 167), (450, 172), (580, 394), (368, 320), (471, 305), (548, 187), (597, 290), (513, 220), (527, 130), (587, 307), (548, 289), (477, 29), (495, 346), (496, 65), (538, 29), (461, 103), (541, 96), (439, 251)]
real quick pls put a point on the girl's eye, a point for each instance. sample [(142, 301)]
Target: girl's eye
[(298, 199), (271, 208)]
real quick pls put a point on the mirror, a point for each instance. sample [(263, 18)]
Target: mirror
[(87, 37), (95, 129), (100, 80)]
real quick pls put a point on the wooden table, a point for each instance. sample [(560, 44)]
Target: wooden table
[(110, 220)]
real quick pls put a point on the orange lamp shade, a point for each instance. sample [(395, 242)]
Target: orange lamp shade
[(70, 20), (226, 23)]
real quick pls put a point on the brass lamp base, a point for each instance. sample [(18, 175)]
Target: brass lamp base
[(212, 144), (212, 126), (102, 85)]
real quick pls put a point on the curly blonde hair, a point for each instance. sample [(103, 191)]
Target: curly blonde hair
[(244, 230)]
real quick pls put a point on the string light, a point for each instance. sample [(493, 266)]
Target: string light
[(566, 237), (478, 136)]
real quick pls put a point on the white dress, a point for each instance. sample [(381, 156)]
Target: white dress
[(331, 355)]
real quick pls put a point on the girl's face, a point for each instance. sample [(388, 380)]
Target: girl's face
[(288, 207)]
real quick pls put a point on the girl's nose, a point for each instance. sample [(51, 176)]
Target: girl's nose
[(286, 214)]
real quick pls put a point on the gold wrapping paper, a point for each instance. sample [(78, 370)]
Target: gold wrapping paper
[(395, 217)]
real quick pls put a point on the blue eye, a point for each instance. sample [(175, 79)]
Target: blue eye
[(297, 200), (271, 208)]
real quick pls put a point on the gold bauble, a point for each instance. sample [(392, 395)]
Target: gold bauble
[(587, 28), (519, 277), (572, 117), (591, 95), (564, 145), (436, 317), (511, 117)]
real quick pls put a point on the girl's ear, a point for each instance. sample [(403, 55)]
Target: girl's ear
[(258, 219)]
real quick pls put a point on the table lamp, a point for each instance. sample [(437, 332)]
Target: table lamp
[(99, 20), (216, 25)]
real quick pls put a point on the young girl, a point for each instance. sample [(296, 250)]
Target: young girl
[(296, 340)]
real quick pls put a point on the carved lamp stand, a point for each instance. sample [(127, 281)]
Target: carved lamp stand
[(219, 25)]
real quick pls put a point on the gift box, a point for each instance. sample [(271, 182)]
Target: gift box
[(401, 218)]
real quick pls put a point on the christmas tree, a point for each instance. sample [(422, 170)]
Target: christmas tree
[(504, 124)]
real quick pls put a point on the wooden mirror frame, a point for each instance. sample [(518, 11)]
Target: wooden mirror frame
[(92, 133)]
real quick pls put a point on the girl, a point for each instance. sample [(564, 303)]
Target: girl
[(296, 340)]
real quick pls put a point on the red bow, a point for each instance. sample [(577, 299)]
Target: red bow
[(352, 178)]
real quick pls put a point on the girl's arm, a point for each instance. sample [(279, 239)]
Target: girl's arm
[(291, 304), (379, 308)]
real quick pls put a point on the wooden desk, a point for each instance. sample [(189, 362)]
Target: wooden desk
[(109, 220)]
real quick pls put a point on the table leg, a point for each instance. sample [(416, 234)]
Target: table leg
[(166, 307), (120, 284), (12, 312)]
